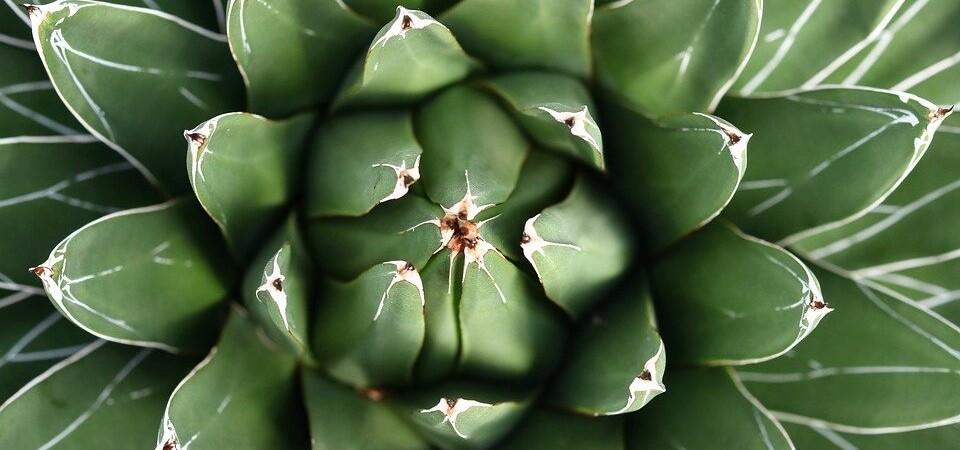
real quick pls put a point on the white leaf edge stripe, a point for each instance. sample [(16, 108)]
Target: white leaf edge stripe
[(920, 146), (52, 286), (402, 173), (404, 273), (90, 348), (738, 153), (168, 431), (809, 318), (579, 117), (738, 383), (647, 387), (451, 410), (40, 12), (533, 244), (278, 296), (743, 64)]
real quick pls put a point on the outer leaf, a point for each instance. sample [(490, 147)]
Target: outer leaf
[(471, 148), (243, 395), (825, 438), (245, 169), (676, 174), (293, 54), (150, 276), (546, 34), (804, 42), (728, 298), (181, 72), (851, 145), (340, 419), (28, 104), (725, 414), (369, 331), (277, 288), (883, 245), (555, 110), (361, 160), (545, 428), (412, 56), (616, 361), (578, 247), (670, 56), (441, 345), (104, 396), (911, 364)]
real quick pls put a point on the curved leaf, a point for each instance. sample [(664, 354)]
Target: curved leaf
[(675, 174), (851, 145), (28, 103), (727, 298), (149, 276), (441, 344), (545, 428), (243, 395), (104, 396), (244, 169), (293, 54), (670, 56), (825, 438), (181, 72), (912, 364)]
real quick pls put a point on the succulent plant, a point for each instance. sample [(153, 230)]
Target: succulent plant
[(348, 224)]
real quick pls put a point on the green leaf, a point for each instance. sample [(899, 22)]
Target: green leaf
[(412, 56), (33, 336), (707, 409), (465, 415), (293, 54), (555, 110), (471, 148), (340, 419), (369, 331), (883, 245), (616, 361), (508, 329), (578, 247), (673, 56), (104, 396), (399, 230), (28, 104), (675, 174), (802, 43), (548, 429), (152, 276), (533, 34), (244, 169), (911, 364), (361, 160), (740, 302), (851, 145), (441, 345), (380, 11), (53, 185), (182, 74), (277, 288), (243, 395), (824, 438)]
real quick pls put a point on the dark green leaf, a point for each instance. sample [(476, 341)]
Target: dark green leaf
[(28, 103), (944, 437), (441, 345), (548, 429)]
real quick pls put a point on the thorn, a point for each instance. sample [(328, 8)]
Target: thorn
[(406, 23), (41, 271), (940, 113), (198, 139), (278, 285), (645, 375), (571, 121), (733, 137)]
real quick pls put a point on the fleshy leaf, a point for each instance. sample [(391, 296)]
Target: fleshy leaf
[(727, 298), (277, 288), (578, 247), (912, 364), (369, 331), (802, 43), (463, 415), (724, 413), (549, 429), (555, 110), (412, 56), (397, 230), (245, 169), (441, 345), (361, 160), (675, 174), (152, 276), (104, 396), (471, 147), (28, 103), (851, 146), (381, 11), (814, 436), (243, 395), (293, 54), (673, 56), (616, 361), (340, 419), (509, 330), (544, 34), (182, 74)]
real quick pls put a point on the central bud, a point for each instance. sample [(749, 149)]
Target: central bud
[(462, 231)]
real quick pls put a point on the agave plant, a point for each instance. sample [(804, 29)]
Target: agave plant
[(467, 224)]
